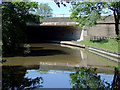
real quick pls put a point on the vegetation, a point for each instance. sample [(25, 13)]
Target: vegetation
[(14, 79), (15, 16), (88, 78), (82, 78), (44, 9), (87, 13), (109, 44)]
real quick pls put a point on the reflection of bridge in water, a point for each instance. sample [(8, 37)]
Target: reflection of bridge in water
[(86, 61), (55, 57)]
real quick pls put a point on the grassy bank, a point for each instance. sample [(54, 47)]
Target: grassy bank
[(109, 44)]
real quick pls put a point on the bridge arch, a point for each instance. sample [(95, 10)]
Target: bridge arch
[(53, 33), (53, 29)]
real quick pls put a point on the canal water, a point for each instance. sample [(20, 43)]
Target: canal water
[(51, 64)]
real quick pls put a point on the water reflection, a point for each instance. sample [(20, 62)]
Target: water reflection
[(32, 78), (44, 52), (14, 78), (88, 78), (53, 64), (58, 55)]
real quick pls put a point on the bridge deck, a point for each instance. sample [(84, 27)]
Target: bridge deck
[(54, 24)]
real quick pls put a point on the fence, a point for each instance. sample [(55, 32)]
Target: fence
[(55, 15), (101, 38)]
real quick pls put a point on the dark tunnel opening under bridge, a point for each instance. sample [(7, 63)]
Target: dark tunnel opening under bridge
[(37, 34)]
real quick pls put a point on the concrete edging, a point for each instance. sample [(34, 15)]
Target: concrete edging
[(72, 44), (104, 53)]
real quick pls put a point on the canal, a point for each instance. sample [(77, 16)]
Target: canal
[(52, 64)]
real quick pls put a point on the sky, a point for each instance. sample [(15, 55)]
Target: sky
[(62, 9), (56, 9)]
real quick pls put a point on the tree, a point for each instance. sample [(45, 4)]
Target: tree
[(15, 16), (115, 7), (44, 9), (87, 13)]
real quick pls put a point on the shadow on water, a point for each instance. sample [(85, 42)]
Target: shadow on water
[(36, 48), (35, 51), (45, 52)]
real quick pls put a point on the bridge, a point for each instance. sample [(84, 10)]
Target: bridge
[(61, 28), (56, 20), (54, 29)]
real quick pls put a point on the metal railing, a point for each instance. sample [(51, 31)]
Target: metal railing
[(55, 15), (102, 37)]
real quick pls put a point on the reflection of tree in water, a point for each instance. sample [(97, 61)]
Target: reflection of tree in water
[(14, 78), (116, 80), (87, 78)]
